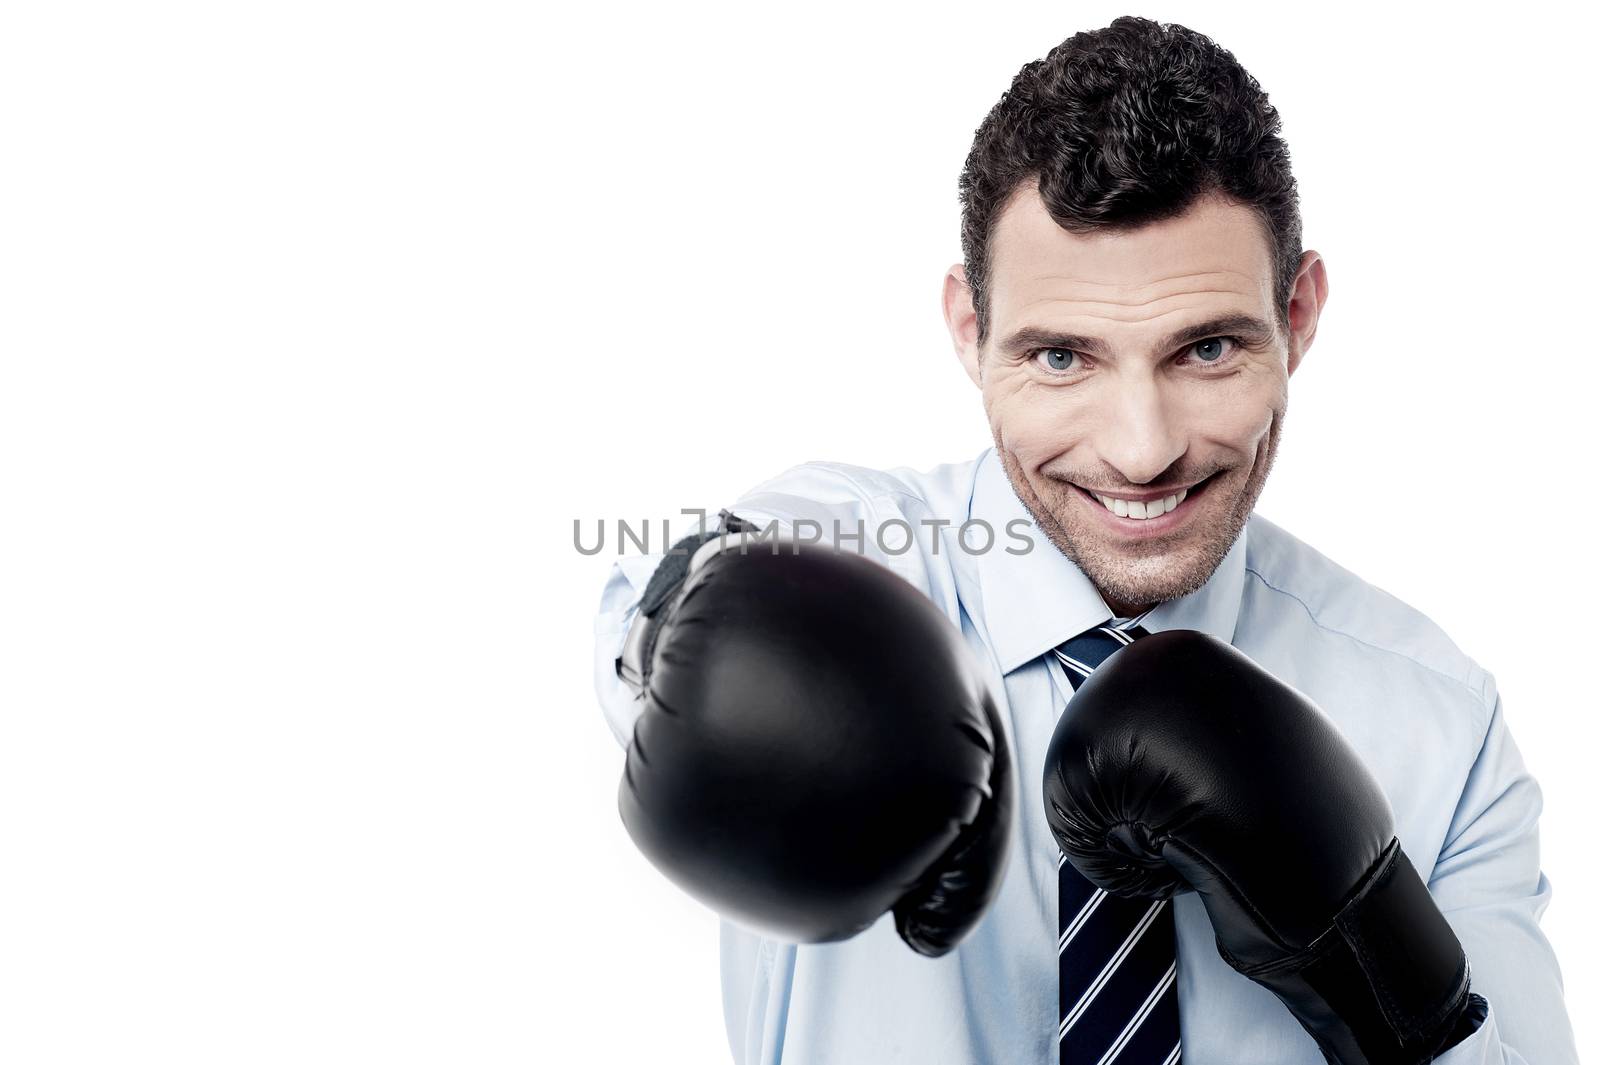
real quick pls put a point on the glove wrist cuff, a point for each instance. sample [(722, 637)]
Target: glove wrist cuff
[(1388, 983), (682, 558)]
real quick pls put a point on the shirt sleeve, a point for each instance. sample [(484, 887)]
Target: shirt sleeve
[(1488, 884), (619, 602)]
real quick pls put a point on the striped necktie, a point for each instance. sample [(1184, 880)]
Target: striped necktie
[(1117, 956)]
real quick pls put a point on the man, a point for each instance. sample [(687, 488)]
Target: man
[(1133, 302)]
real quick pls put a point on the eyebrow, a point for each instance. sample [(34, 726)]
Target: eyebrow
[(1029, 337)]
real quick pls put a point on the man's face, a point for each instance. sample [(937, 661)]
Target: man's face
[(1144, 366)]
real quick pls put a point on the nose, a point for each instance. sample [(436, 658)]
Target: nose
[(1142, 434)]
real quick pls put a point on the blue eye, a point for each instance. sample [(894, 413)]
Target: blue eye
[(1211, 351), (1055, 359)]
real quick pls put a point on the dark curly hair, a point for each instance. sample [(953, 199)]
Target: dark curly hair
[(1124, 126)]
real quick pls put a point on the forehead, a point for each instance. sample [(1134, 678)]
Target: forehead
[(1213, 255)]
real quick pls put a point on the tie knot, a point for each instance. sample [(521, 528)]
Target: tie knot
[(1085, 651)]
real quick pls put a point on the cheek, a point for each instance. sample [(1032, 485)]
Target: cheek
[(1239, 416), (1238, 424), (1030, 421)]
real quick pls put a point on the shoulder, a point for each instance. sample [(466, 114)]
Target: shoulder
[(824, 483), (901, 517), (1301, 588)]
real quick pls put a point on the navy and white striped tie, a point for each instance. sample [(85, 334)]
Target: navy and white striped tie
[(1117, 956)]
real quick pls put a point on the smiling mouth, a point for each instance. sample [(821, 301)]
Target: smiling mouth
[(1145, 510)]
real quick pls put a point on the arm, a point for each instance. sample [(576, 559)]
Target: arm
[(1488, 883), (812, 734), (1181, 764), (803, 500)]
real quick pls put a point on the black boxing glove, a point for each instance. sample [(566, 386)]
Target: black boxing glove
[(817, 746), (1181, 764)]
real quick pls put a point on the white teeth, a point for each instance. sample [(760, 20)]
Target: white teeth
[(1122, 508)]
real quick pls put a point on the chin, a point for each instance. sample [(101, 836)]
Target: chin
[(1174, 582), (1153, 572)]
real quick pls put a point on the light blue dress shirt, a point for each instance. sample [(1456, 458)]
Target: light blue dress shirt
[(1424, 717)]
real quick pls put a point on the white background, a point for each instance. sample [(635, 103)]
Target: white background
[(322, 323)]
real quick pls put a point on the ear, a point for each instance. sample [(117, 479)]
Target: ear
[(1305, 306), (962, 320)]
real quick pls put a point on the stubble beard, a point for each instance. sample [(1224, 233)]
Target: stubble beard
[(1148, 573)]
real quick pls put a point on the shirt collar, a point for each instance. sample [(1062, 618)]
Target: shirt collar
[(1039, 599)]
